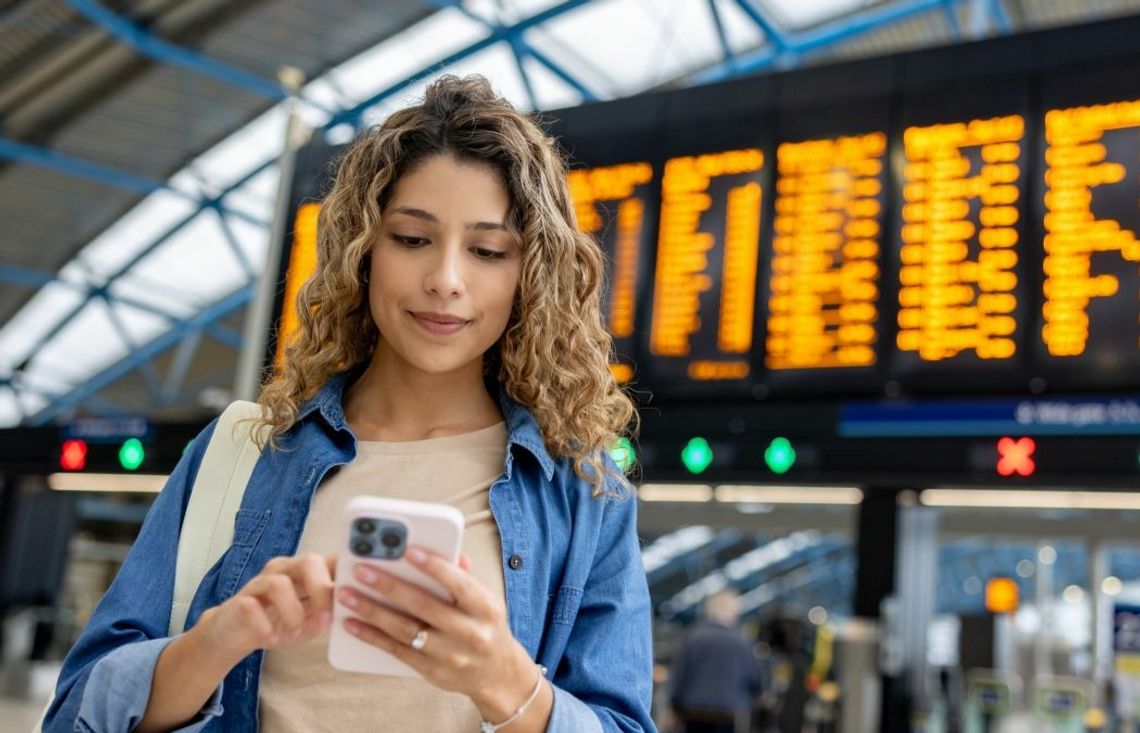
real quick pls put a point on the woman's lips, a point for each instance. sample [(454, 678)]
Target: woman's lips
[(438, 327)]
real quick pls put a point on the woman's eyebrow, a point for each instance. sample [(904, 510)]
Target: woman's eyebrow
[(428, 216)]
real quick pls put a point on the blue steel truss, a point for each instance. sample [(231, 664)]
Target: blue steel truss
[(781, 48)]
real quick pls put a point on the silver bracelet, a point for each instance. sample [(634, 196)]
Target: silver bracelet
[(489, 727)]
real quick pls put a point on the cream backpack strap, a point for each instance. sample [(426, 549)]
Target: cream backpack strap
[(208, 527)]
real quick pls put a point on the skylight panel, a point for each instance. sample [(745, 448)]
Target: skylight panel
[(46, 308), (92, 334), (645, 45), (195, 267), (796, 14), (551, 91), (743, 34), (123, 240)]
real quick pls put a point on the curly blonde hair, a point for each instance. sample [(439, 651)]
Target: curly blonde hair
[(552, 358)]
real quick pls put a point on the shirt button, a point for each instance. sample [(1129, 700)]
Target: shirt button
[(516, 562)]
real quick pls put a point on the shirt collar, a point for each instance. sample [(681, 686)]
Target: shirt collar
[(522, 428)]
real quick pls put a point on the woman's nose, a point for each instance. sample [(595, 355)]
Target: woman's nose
[(445, 278)]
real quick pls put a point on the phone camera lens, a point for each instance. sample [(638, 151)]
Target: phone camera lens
[(365, 526), (362, 548), (391, 540)]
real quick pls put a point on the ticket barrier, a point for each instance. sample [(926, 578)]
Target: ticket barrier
[(1060, 703), (991, 697)]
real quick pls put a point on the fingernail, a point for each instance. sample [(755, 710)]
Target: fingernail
[(416, 555), (347, 598), (365, 573)]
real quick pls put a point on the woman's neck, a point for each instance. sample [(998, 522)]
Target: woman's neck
[(389, 405)]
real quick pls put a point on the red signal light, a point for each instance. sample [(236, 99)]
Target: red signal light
[(73, 455), (1015, 456)]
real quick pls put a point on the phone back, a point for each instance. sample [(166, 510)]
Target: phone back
[(437, 528)]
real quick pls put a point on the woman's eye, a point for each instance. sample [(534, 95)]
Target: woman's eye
[(409, 241), (489, 254)]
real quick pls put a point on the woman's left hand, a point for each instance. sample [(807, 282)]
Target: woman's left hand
[(468, 647)]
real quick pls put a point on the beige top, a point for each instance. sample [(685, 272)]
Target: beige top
[(300, 691)]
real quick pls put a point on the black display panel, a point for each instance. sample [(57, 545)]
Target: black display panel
[(962, 290), (715, 160), (703, 297), (314, 168), (1088, 322), (823, 284), (613, 182)]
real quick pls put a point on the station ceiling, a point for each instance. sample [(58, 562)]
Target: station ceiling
[(139, 138)]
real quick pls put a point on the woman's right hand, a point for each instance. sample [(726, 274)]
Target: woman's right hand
[(287, 603)]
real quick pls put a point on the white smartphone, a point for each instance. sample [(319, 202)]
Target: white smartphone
[(378, 532)]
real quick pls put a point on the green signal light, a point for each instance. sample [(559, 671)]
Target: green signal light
[(623, 454), (697, 455), (131, 455), (780, 455)]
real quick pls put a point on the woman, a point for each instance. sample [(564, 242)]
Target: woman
[(451, 349)]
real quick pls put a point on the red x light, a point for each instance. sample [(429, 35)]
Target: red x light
[(1015, 456), (73, 455)]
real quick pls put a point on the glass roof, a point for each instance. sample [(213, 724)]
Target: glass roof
[(612, 48)]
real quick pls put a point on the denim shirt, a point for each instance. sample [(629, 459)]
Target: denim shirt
[(576, 592)]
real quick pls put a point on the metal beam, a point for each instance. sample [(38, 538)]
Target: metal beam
[(353, 114), (821, 36), (235, 246), (950, 10), (859, 23), (767, 26), (146, 368), (126, 365), (521, 50), (561, 73), (1000, 16), (183, 357), (148, 45), (37, 278), (30, 155), (139, 256), (518, 49), (722, 36), (225, 336), (41, 157)]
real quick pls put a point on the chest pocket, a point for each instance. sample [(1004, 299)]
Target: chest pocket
[(249, 524), (566, 603), (563, 612)]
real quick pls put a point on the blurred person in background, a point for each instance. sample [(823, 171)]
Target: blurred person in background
[(716, 677)]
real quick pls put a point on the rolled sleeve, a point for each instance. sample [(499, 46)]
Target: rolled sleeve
[(118, 690), (571, 715)]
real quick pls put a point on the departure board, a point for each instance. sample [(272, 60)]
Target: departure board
[(312, 176), (1091, 289), (615, 204), (302, 263), (708, 245), (939, 223), (958, 279), (827, 236)]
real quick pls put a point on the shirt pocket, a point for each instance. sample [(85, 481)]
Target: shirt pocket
[(566, 603), (249, 524)]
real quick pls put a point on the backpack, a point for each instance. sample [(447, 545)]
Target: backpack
[(208, 526)]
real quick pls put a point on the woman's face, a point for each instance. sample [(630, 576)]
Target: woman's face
[(445, 269)]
